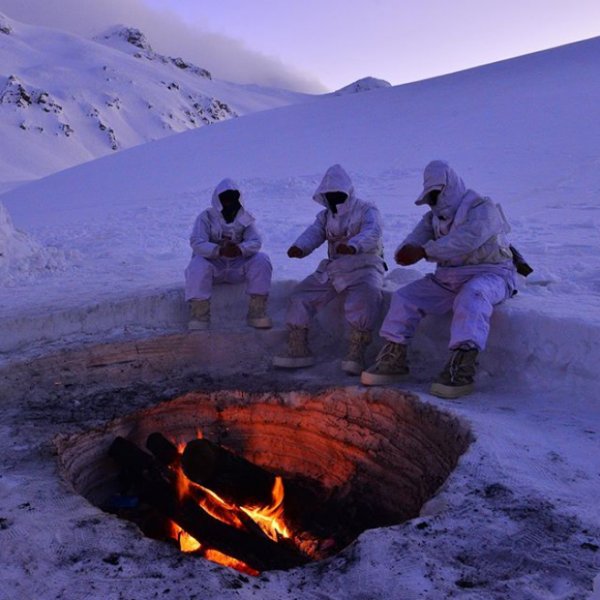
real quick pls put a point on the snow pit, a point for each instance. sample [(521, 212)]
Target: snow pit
[(350, 458)]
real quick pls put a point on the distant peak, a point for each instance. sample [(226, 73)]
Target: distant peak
[(131, 35), (118, 34), (364, 85)]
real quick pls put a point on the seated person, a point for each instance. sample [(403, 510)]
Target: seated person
[(463, 233), (225, 249), (352, 230)]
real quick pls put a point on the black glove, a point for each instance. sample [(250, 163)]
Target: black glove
[(230, 250), (409, 255), (345, 249), (295, 252)]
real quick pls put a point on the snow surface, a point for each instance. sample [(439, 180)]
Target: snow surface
[(111, 236)]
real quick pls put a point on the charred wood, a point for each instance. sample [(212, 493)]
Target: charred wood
[(163, 449), (230, 476)]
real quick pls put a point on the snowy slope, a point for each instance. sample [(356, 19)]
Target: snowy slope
[(519, 517), (65, 100)]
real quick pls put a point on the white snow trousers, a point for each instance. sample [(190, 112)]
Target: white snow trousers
[(361, 304), (201, 273), (470, 293)]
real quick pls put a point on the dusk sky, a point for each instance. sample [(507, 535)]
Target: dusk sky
[(322, 45)]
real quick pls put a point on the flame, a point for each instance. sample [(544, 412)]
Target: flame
[(188, 544), (229, 561), (270, 518)]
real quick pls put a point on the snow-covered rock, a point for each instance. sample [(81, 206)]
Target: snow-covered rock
[(4, 25)]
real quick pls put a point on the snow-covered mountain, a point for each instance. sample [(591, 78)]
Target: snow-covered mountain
[(65, 100)]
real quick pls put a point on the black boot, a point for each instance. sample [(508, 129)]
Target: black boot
[(458, 375)]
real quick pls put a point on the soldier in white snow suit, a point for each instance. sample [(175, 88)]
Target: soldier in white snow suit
[(225, 249), (352, 230), (464, 234)]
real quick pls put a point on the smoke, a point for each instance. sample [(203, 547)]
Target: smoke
[(225, 57)]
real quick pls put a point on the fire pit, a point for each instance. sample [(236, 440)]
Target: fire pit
[(341, 461)]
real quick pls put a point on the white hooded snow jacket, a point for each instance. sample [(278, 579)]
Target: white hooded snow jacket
[(463, 228), (356, 223), (210, 230)]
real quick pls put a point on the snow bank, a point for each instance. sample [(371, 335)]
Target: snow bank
[(21, 257), (527, 349)]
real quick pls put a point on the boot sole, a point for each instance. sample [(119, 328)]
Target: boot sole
[(261, 323), (351, 367), (450, 392), (287, 362), (367, 378)]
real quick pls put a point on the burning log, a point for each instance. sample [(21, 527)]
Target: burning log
[(230, 476), (156, 487), (167, 454), (163, 449)]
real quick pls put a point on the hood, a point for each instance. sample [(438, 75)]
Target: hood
[(335, 180), (223, 186), (438, 175)]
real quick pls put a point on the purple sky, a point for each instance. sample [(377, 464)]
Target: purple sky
[(318, 45)]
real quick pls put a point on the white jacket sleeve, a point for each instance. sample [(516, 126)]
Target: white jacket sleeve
[(368, 239), (251, 242), (200, 238), (482, 223), (421, 234), (314, 235)]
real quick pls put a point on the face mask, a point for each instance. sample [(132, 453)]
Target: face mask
[(432, 197), (230, 201)]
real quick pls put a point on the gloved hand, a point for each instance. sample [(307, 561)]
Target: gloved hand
[(295, 252), (409, 255), (345, 249), (230, 250)]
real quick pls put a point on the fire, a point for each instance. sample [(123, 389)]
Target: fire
[(188, 544), (269, 518), (229, 561)]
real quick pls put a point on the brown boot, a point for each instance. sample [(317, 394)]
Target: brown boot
[(390, 366), (257, 312), (457, 378), (354, 363), (298, 353), (199, 315)]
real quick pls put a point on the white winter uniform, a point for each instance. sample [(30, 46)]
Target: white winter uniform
[(464, 234), (357, 224), (209, 234)]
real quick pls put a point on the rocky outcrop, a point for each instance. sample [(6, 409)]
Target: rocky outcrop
[(135, 38), (17, 93)]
